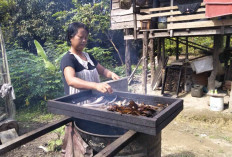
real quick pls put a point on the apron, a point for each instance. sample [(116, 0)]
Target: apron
[(87, 75)]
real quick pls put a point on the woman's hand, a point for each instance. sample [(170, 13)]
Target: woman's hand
[(104, 88), (114, 76)]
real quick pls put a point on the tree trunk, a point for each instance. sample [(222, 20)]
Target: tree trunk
[(218, 48)]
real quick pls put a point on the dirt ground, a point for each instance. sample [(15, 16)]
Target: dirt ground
[(195, 132)]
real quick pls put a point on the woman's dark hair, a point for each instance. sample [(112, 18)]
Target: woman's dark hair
[(73, 29)]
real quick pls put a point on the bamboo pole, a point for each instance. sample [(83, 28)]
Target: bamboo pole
[(10, 106)]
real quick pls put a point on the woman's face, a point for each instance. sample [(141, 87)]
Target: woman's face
[(79, 41)]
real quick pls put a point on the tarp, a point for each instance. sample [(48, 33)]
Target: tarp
[(216, 8)]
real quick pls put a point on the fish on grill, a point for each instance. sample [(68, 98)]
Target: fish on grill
[(136, 109)]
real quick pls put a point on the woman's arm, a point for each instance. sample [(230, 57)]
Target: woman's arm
[(69, 74), (107, 73)]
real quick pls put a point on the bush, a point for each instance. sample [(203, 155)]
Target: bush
[(32, 82)]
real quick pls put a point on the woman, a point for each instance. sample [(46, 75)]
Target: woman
[(80, 72), (80, 69)]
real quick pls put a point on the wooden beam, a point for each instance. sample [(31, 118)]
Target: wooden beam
[(200, 24), (118, 12), (6, 147), (118, 144), (144, 72), (184, 33), (186, 17), (197, 44), (162, 8), (147, 17), (123, 25), (122, 18), (188, 45)]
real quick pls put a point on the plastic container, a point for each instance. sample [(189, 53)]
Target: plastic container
[(197, 91), (216, 103)]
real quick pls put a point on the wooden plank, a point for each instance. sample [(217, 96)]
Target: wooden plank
[(169, 119), (122, 18), (158, 9), (151, 130), (115, 1), (117, 12), (183, 33), (123, 25), (200, 24), (115, 6), (118, 144), (187, 17), (162, 8), (147, 17), (6, 147)]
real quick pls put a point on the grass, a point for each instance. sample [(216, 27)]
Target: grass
[(34, 114)]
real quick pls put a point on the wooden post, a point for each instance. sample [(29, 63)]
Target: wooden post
[(186, 55), (230, 101), (177, 48), (144, 73), (10, 106), (163, 59), (152, 60), (218, 48), (135, 19), (128, 56), (171, 31), (163, 51)]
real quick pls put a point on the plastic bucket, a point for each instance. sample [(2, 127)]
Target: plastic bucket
[(216, 103)]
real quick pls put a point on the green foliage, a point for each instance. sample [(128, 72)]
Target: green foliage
[(42, 53), (32, 19), (55, 145), (32, 81), (104, 56), (95, 16), (35, 114)]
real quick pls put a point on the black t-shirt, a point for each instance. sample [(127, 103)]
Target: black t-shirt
[(70, 60)]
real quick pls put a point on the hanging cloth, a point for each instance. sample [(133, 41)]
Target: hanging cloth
[(188, 7)]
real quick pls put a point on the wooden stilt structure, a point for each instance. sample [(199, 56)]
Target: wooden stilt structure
[(152, 59), (144, 72), (128, 56), (218, 48)]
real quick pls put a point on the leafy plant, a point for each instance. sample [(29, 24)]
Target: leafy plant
[(33, 82), (42, 53), (104, 56)]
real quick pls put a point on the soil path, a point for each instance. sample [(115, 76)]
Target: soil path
[(195, 132)]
